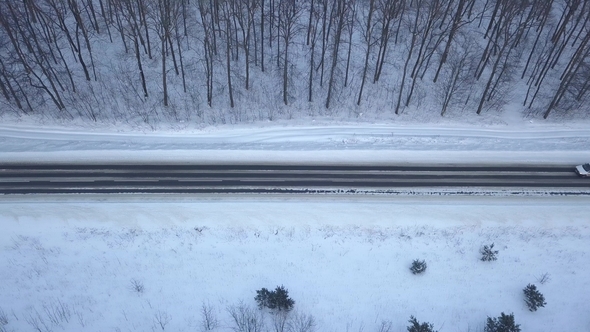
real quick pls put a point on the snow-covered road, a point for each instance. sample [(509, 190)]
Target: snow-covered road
[(372, 144)]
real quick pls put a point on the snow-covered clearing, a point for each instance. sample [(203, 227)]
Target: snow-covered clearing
[(69, 263)]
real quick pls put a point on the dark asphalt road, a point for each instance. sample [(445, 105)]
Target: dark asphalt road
[(53, 178)]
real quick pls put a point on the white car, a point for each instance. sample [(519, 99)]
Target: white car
[(583, 170)]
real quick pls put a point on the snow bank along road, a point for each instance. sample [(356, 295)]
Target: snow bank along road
[(141, 178)]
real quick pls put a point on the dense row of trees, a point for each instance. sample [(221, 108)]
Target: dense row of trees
[(118, 59)]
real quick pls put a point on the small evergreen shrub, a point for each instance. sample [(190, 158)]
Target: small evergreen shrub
[(488, 253), (504, 323), (275, 300), (418, 266), (533, 298), (415, 326)]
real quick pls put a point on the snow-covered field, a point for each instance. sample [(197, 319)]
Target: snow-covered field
[(345, 261), (70, 263)]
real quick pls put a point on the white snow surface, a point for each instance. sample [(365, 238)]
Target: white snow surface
[(68, 262), (344, 260), (524, 142)]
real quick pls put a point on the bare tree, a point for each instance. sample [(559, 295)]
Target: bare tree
[(89, 8), (327, 20), (143, 8), (430, 37), (55, 13), (12, 89), (280, 321), (457, 77), (107, 21), (52, 36), (130, 14), (575, 79), (388, 11), (350, 30), (385, 326), (179, 37), (341, 11), (244, 13), (32, 54), (164, 20), (313, 37), (457, 22), (301, 323), (572, 25), (499, 45), (209, 320), (207, 21), (73, 5), (227, 22), (543, 15), (414, 32), (161, 319), (368, 38), (114, 10), (246, 319), (288, 14)]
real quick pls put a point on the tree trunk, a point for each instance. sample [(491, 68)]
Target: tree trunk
[(454, 28), (351, 31), (368, 40), (228, 61), (164, 82), (338, 33), (285, 70)]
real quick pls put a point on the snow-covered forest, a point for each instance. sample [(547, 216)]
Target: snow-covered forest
[(213, 61)]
